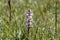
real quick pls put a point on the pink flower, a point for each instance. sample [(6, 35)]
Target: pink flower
[(29, 15)]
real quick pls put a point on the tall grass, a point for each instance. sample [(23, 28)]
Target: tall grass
[(46, 20)]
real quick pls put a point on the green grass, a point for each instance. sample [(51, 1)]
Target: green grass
[(43, 27)]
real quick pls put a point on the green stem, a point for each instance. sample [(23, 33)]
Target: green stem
[(56, 18)]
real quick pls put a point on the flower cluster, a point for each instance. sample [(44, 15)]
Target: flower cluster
[(29, 15)]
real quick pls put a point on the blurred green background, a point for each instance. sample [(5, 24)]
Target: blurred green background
[(43, 25)]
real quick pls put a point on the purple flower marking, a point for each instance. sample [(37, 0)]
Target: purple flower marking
[(29, 18)]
